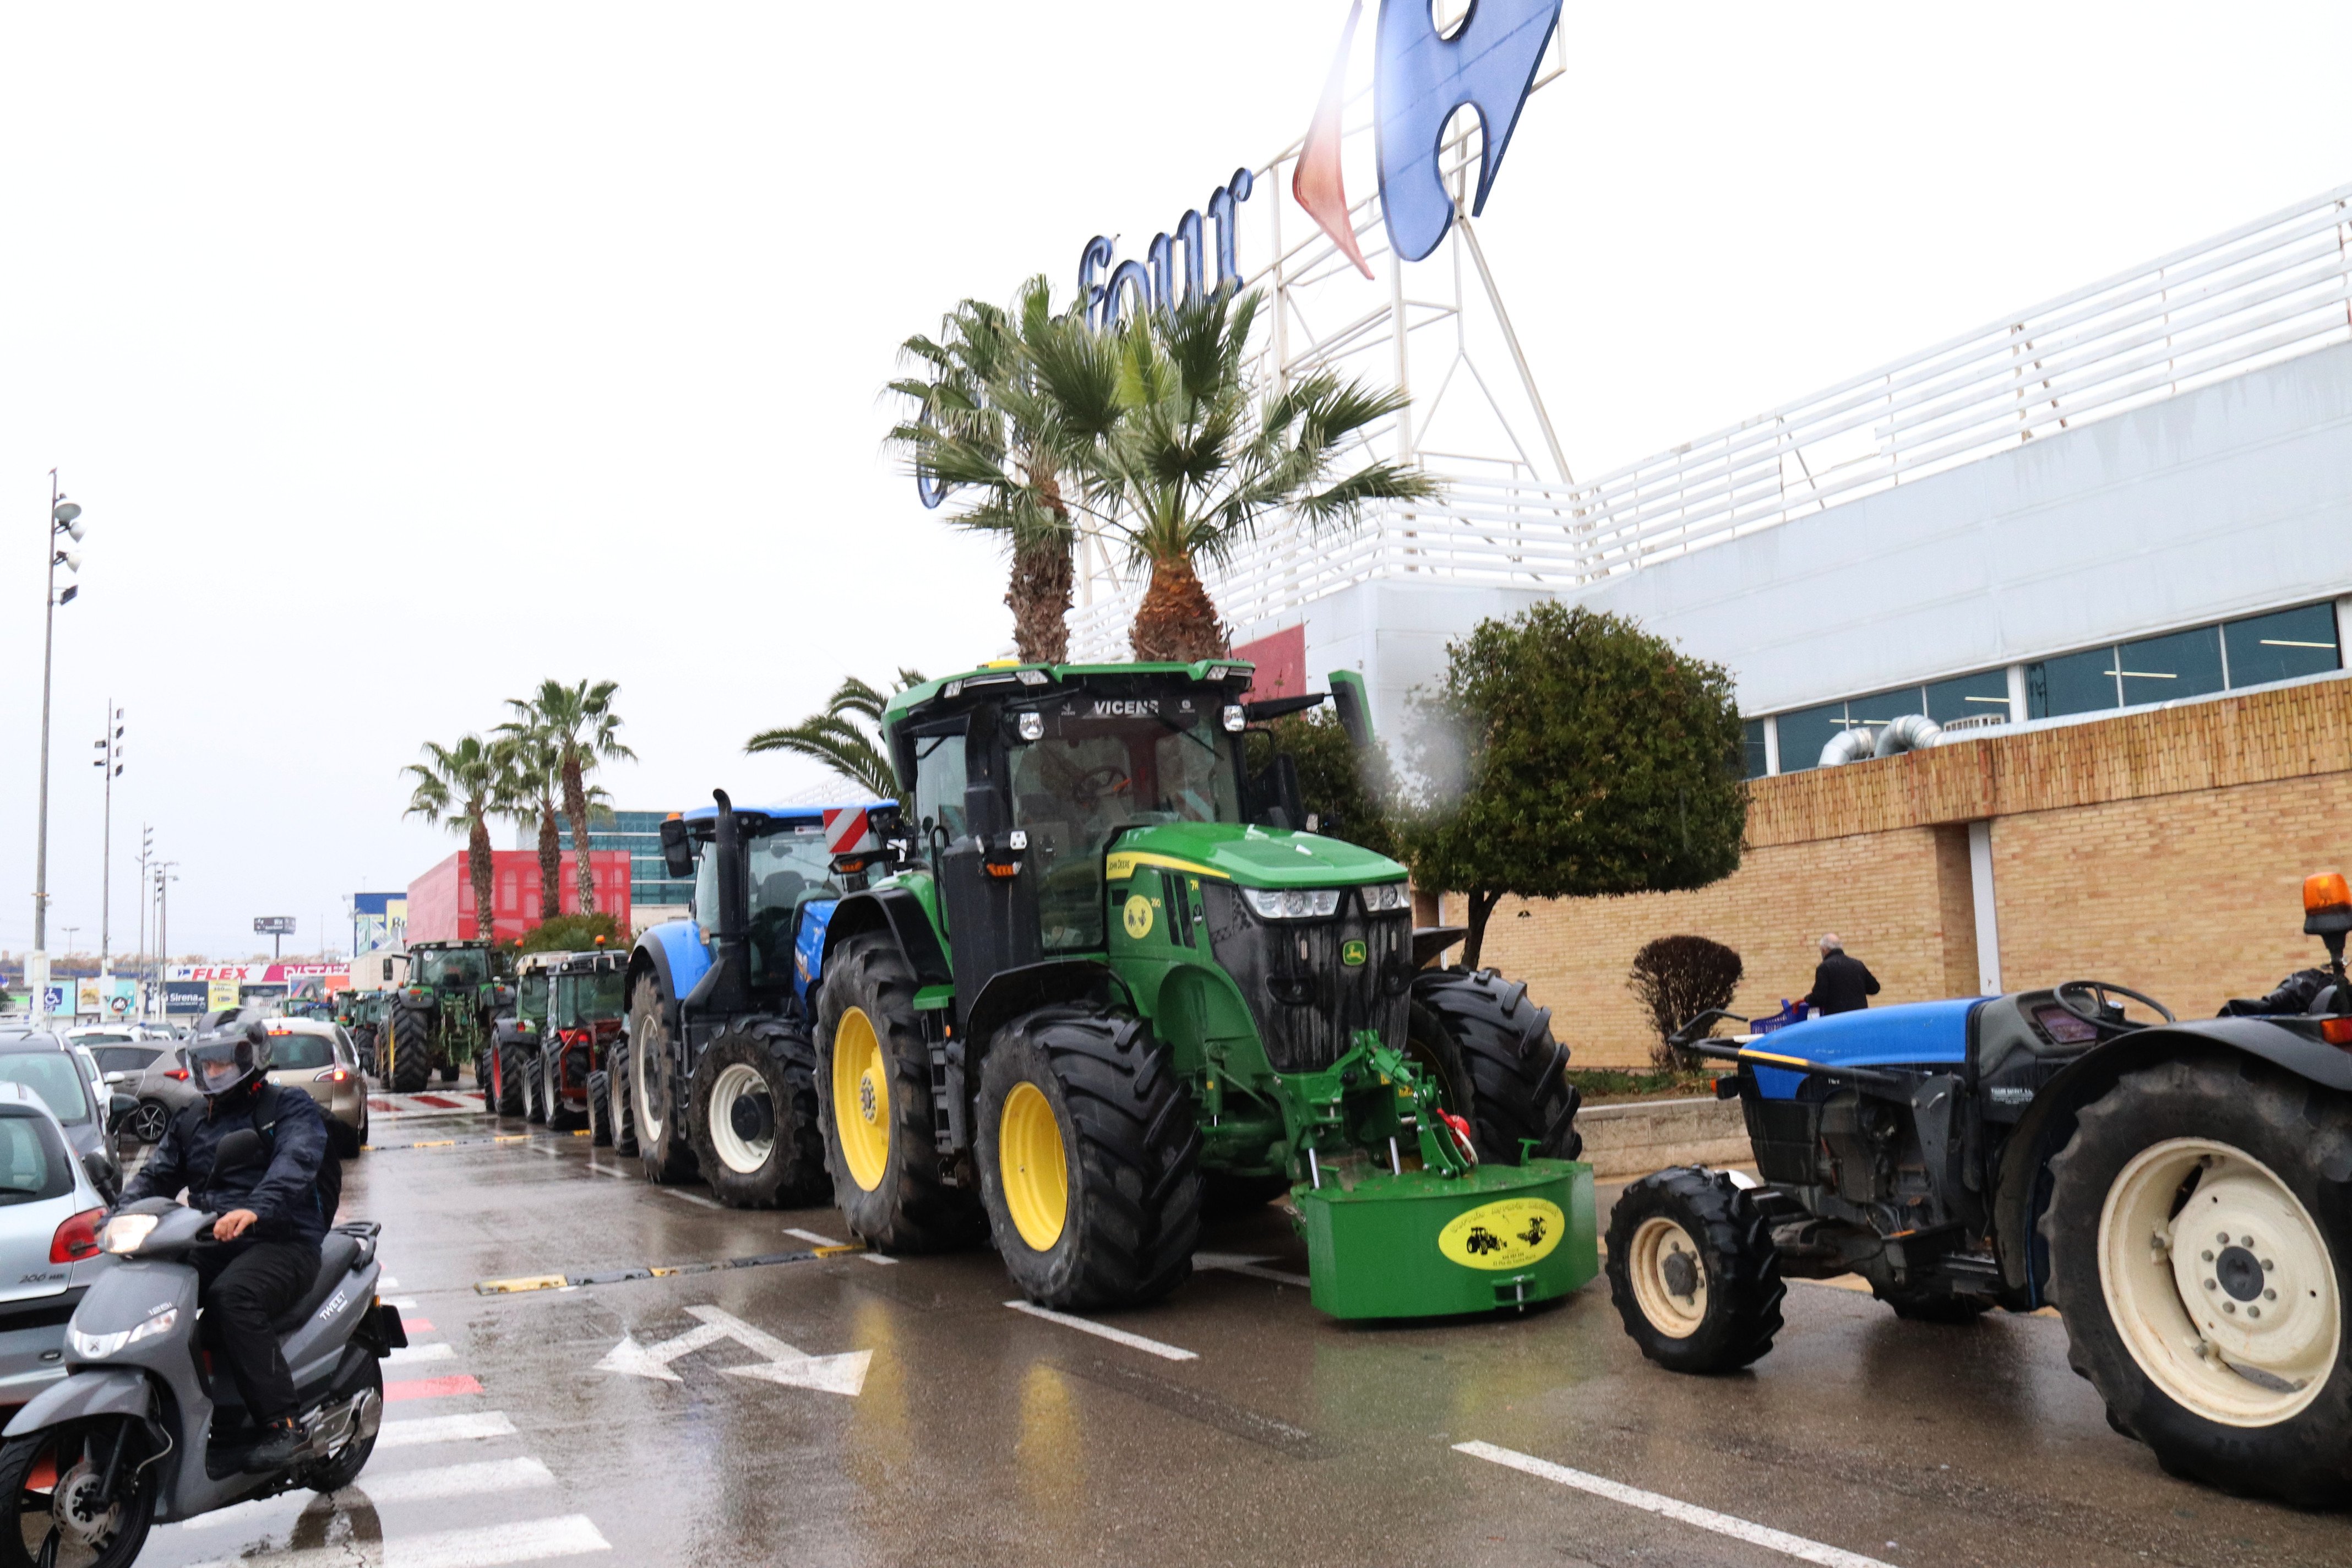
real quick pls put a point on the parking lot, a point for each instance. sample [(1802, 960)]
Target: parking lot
[(844, 1409)]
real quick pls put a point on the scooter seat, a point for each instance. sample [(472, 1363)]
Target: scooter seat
[(337, 1257)]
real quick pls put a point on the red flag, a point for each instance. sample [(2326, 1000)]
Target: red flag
[(1317, 184)]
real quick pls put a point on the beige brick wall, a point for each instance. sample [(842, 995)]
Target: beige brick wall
[(2193, 896)]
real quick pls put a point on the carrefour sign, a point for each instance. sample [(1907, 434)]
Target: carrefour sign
[(1421, 76)]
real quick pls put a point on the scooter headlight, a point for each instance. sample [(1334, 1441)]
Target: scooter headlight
[(98, 1347), (125, 1232)]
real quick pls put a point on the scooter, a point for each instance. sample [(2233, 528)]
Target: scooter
[(145, 1427)]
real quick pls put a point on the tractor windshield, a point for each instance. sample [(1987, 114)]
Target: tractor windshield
[(443, 968), (530, 996), (783, 867), (585, 1000), (1102, 766)]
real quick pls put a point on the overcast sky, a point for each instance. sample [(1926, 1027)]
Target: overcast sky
[(403, 355)]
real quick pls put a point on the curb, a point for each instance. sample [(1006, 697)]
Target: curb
[(1636, 1139)]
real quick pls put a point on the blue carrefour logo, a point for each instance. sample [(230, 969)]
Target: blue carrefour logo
[(1423, 77)]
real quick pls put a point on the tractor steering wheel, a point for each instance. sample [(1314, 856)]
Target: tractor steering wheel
[(2094, 1012), (1108, 780)]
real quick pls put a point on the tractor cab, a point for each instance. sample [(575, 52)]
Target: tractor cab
[(779, 865)]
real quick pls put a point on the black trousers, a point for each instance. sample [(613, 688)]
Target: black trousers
[(244, 1286)]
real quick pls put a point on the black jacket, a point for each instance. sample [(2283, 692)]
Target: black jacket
[(284, 1196), (1841, 984), (2295, 993)]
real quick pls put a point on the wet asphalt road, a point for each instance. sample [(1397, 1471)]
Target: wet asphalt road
[(983, 1436)]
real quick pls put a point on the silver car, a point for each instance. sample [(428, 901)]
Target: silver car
[(50, 1211), (151, 1072)]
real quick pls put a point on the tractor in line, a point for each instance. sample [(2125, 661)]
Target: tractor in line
[(444, 1014)]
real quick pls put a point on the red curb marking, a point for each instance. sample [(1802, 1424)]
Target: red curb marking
[(416, 1325), (430, 1388)]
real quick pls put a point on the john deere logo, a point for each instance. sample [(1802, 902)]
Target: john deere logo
[(1511, 1234), (1351, 953), (1138, 917)]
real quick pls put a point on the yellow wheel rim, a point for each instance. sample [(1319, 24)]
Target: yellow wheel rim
[(861, 1099), (1032, 1167)]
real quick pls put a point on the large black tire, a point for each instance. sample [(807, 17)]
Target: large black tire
[(655, 1096), (561, 1118), (1519, 1090), (617, 1093), (532, 1075), (753, 1118), (2193, 1150), (505, 1086), (904, 1206), (1693, 1271), (25, 1514), (600, 1109), (408, 1065), (1082, 1108)]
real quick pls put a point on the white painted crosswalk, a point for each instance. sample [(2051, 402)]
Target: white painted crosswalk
[(534, 1540)]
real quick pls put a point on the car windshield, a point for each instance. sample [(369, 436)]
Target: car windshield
[(457, 966), (530, 996), (55, 1076), (1103, 765), (291, 1052), (33, 1164)]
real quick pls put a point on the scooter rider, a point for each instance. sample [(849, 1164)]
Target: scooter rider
[(272, 1217)]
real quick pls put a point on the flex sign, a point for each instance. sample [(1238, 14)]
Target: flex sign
[(1421, 76)]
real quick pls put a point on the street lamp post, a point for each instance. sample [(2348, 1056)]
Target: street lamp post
[(65, 517), (110, 757), (164, 879)]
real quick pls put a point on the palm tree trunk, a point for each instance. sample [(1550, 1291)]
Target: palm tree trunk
[(551, 862), (477, 864), (1177, 622), (1039, 597), (576, 807)]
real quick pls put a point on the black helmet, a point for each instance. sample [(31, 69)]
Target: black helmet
[(230, 1057)]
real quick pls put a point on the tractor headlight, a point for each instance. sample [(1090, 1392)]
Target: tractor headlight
[(98, 1347), (1032, 726), (1384, 896), (1293, 903), (1233, 718)]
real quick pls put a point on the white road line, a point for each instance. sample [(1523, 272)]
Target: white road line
[(437, 1351), (607, 1170), (403, 1302), (692, 1198), (387, 1283), (1102, 1330), (811, 1237), (528, 1541), (408, 1434), (410, 1486), (1795, 1546), (877, 1258)]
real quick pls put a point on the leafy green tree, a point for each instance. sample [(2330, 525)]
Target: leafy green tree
[(845, 737), (460, 787), (573, 933), (1347, 793), (1005, 404), (1572, 754), (578, 724)]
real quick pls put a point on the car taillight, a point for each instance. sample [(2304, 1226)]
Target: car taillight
[(331, 1075), (180, 1074), (77, 1237), (2335, 1031)]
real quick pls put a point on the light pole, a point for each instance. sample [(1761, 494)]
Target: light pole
[(110, 757), (64, 518), (146, 852), (164, 879)]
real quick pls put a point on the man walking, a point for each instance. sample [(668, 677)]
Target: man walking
[(1841, 985)]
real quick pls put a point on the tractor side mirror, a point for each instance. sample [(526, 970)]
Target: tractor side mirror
[(678, 850)]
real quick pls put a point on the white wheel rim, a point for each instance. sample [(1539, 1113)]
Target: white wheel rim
[(1661, 1253), (2231, 1306), (742, 1156), (638, 1056)]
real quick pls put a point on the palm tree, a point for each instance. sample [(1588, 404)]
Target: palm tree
[(578, 723), (834, 738), (528, 792), (1194, 465), (460, 787), (1006, 404)]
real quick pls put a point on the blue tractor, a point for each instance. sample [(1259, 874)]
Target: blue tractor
[(714, 1077), (2181, 1192)]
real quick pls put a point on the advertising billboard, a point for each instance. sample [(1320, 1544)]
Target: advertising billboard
[(379, 920)]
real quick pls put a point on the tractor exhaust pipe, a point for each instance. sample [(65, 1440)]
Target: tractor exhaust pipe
[(727, 988)]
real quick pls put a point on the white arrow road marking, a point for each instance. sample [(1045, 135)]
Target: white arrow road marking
[(1103, 1330), (1738, 1528), (785, 1364), (1235, 1263)]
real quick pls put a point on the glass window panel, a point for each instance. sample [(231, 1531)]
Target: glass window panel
[(2282, 646), (1882, 706), (2185, 664), (1752, 746), (2078, 684), (1804, 732), (1968, 696)]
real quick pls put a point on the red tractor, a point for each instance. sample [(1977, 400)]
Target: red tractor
[(587, 1014)]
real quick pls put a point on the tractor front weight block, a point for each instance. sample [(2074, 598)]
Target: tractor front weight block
[(1421, 1244)]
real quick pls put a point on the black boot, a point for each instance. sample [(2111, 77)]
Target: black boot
[(281, 1441)]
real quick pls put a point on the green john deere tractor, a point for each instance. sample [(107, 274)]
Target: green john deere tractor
[(444, 1014), (1105, 983)]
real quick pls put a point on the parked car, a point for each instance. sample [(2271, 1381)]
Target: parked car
[(51, 1205), (148, 1070), (316, 1055), (69, 1084)]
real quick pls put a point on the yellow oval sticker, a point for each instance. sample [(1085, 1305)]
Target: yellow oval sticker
[(1511, 1234), (1138, 917)]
